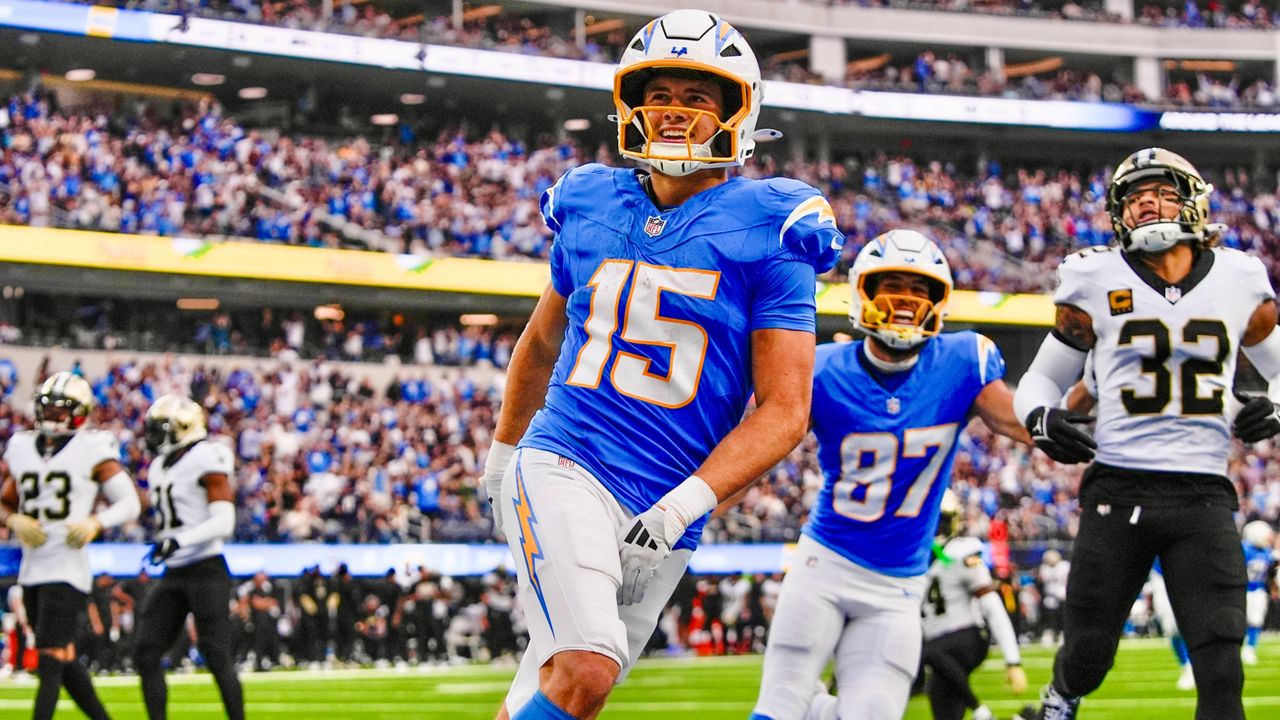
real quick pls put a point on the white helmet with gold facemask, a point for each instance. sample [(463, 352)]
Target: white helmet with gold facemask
[(899, 321), (695, 44)]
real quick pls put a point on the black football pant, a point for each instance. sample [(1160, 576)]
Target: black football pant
[(202, 589), (1203, 565), (952, 658)]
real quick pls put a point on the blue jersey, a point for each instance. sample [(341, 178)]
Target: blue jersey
[(655, 368), (1257, 564), (886, 444)]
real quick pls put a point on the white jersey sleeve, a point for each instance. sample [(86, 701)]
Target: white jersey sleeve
[(1076, 277)]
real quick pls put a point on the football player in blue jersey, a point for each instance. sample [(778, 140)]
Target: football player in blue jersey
[(1259, 562), (676, 293), (886, 412)]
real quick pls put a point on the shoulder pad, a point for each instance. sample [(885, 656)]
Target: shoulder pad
[(215, 457), (1254, 273), (577, 188), (990, 360), (806, 223), (1074, 272), (102, 444), (964, 548)]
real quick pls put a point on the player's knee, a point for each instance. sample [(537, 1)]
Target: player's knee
[(1083, 662), (1226, 623), (580, 681), (147, 656)]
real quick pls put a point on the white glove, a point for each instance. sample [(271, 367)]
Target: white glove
[(27, 529), (495, 466), (646, 541), (82, 532), (642, 546)]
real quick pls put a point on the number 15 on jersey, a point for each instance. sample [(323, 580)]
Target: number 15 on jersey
[(643, 326)]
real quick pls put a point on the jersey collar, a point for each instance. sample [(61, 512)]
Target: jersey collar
[(1199, 269)]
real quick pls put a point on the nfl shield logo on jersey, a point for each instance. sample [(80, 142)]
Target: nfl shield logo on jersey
[(893, 405), (653, 228), (1173, 293)]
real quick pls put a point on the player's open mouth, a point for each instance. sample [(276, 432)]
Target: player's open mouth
[(674, 135)]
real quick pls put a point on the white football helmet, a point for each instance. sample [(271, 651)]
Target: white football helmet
[(1191, 224), (950, 518), (698, 42), (63, 403), (899, 321), (1259, 534), (173, 422)]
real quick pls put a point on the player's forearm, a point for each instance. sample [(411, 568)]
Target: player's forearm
[(526, 391), (532, 361), (1265, 357), (1054, 370), (125, 505), (220, 525), (1000, 626), (757, 444), (995, 406)]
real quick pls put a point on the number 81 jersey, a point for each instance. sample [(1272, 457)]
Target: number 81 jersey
[(175, 486), (57, 490), (1165, 356)]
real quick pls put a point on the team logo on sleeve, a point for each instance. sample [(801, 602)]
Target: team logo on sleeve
[(815, 207), (653, 227), (1121, 301)]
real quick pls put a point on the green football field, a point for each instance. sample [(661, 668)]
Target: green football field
[(1140, 687)]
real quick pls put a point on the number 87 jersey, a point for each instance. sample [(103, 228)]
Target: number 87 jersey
[(655, 368), (1165, 355), (886, 443)]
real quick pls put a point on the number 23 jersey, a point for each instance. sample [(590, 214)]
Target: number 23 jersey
[(655, 368), (1165, 356), (57, 490)]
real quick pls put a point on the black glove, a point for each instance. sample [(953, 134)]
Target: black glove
[(162, 551), (1258, 420), (1054, 431)]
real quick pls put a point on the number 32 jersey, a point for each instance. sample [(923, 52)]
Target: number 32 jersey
[(1165, 356), (57, 490), (886, 444), (655, 368)]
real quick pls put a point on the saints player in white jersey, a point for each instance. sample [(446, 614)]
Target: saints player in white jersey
[(962, 598), (53, 475), (190, 487), (1165, 314)]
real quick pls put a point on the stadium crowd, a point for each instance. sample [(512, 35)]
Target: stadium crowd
[(369, 20), (931, 72), (199, 172), (324, 455)]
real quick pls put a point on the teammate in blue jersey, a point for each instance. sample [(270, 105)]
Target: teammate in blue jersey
[(675, 294), (1259, 562), (886, 412)]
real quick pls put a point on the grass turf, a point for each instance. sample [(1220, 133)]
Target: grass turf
[(1140, 687)]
